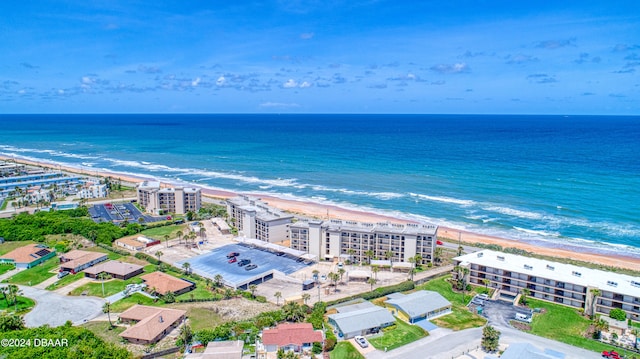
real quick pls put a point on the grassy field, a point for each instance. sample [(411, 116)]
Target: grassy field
[(461, 317), (4, 268), (160, 232), (111, 287), (102, 330), (7, 247), (24, 305), (70, 278), (203, 318), (566, 325), (344, 350), (402, 334), (37, 274), (128, 302)]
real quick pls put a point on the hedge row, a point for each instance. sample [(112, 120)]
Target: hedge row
[(114, 250), (376, 293)]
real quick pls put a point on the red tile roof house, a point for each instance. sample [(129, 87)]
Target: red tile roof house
[(163, 283), (76, 260), (296, 337), (28, 256), (150, 324)]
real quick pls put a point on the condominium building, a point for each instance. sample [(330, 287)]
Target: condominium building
[(159, 200), (93, 190), (363, 241), (255, 219), (579, 287)]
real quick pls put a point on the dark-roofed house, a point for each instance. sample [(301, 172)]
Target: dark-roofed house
[(360, 319), (417, 306), (76, 260), (116, 269), (228, 349), (28, 256), (296, 337), (163, 283), (150, 324)]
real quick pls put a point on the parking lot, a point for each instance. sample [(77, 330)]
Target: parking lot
[(119, 212), (216, 262), (499, 313)]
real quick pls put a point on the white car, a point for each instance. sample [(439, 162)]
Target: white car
[(361, 341)]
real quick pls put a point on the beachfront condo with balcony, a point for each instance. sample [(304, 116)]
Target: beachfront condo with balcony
[(180, 200)]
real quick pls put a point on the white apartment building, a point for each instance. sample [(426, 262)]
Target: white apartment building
[(255, 219), (179, 200), (561, 283), (354, 240), (90, 190)]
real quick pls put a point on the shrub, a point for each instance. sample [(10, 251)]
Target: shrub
[(618, 314), (330, 341), (317, 348)]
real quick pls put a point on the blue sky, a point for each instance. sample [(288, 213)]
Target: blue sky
[(558, 57)]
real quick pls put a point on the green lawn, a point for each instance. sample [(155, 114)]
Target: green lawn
[(24, 305), (402, 334), (37, 274), (160, 232), (7, 246), (101, 329), (566, 325), (128, 302), (4, 268), (202, 318), (461, 317), (344, 350), (111, 287), (68, 279)]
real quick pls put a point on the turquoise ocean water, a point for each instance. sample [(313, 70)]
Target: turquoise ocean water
[(559, 180)]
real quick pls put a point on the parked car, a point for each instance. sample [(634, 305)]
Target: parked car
[(63, 274), (439, 242), (611, 355), (250, 267), (279, 254), (300, 260), (233, 260), (244, 262), (361, 341), (233, 254)]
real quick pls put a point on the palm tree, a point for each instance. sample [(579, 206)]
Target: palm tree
[(207, 283), (437, 255), (159, 254), (166, 240), (595, 292), (341, 272), (5, 290), (187, 267), (412, 260), (252, 289), (334, 278), (418, 260), (351, 252), (278, 295), (103, 276), (369, 254), (14, 292), (106, 308), (524, 293), (375, 270), (486, 283), (293, 312), (217, 280), (179, 234), (306, 297), (371, 281), (412, 272)]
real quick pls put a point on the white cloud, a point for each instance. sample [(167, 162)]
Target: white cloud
[(305, 84), (291, 83), (195, 82), (307, 35), (87, 80), (221, 81)]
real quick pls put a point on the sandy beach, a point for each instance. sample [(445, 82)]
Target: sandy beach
[(323, 211)]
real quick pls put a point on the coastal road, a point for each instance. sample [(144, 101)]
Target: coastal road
[(55, 309)]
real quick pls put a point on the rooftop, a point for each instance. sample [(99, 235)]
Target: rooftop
[(568, 273), (114, 268), (384, 227), (263, 211), (77, 258), (371, 316), (164, 283), (131, 242), (291, 333), (228, 349), (152, 321), (419, 303), (28, 253)]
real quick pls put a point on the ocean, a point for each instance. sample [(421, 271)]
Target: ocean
[(551, 180)]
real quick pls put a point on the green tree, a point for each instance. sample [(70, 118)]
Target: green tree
[(106, 308), (252, 289), (595, 293), (372, 282), (306, 297), (293, 312), (103, 276), (159, 254), (217, 280), (10, 322), (187, 267), (490, 339), (524, 294), (375, 270), (369, 254), (618, 314), (166, 240), (341, 273), (437, 255), (278, 295)]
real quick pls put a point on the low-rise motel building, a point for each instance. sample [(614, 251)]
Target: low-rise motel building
[(331, 239), (76, 260), (28, 256), (157, 199), (149, 324), (596, 291)]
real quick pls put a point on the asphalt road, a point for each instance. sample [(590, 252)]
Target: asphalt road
[(55, 309)]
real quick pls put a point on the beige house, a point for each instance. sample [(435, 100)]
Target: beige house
[(149, 324)]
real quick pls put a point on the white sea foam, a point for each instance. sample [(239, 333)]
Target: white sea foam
[(462, 202), (514, 212), (537, 232)]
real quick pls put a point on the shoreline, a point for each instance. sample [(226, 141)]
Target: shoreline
[(325, 211)]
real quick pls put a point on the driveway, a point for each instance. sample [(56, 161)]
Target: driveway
[(55, 309), (499, 313)]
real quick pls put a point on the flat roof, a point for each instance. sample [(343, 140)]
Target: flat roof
[(28, 253), (418, 303), (568, 273), (350, 321), (132, 242), (366, 227), (227, 349), (263, 211), (114, 268), (164, 283)]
